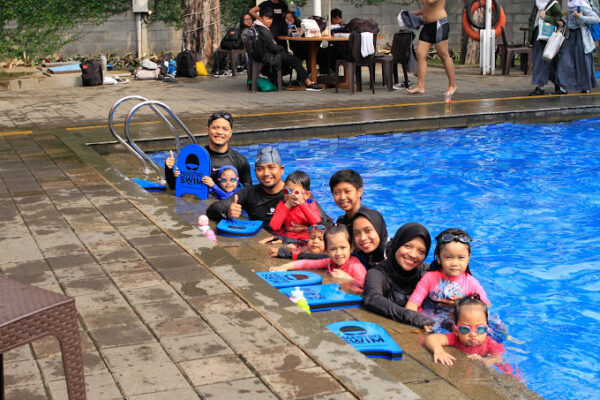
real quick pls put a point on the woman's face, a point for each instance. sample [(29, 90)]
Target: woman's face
[(411, 254), (248, 20), (365, 236), (289, 19)]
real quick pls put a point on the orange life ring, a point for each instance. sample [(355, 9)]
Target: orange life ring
[(475, 34)]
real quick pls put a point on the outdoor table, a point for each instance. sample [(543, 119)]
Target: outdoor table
[(28, 313)]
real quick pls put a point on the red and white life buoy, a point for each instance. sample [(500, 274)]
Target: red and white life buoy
[(473, 6)]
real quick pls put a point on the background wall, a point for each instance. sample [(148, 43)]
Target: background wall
[(118, 34)]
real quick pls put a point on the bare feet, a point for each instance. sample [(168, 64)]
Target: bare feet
[(451, 89), (416, 90)]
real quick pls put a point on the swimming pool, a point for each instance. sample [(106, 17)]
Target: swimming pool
[(529, 195)]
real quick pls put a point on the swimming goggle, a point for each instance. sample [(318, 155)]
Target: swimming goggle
[(224, 180), (318, 227), (448, 237), (224, 115), (287, 190), (465, 329)]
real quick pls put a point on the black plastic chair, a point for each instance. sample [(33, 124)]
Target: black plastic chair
[(233, 55), (354, 64), (508, 51), (401, 49), (254, 67)]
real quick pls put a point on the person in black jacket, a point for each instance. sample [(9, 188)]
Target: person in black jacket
[(390, 283), (276, 56), (219, 132)]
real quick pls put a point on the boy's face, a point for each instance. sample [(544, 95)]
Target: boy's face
[(316, 244), (472, 317), (347, 197), (228, 180), (337, 20), (295, 192), (268, 21)]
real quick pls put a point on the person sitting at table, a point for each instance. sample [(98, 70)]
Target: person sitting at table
[(336, 50), (279, 8), (276, 56), (299, 49)]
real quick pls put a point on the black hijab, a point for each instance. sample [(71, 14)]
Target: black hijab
[(376, 219), (399, 279)]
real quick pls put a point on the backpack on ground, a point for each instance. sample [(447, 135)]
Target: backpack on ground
[(253, 44), (232, 39), (186, 64), (163, 64), (91, 73), (363, 25)]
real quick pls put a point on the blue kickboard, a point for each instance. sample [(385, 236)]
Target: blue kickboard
[(193, 163), (328, 296), (238, 227), (598, 74), (75, 67), (368, 338), (282, 279), (149, 185)]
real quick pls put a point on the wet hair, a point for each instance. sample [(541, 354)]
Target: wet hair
[(469, 301), (436, 265), (242, 25), (299, 178), (334, 230), (346, 175), (336, 12), (220, 114), (267, 12)]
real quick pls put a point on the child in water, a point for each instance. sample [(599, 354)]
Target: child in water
[(469, 334), (448, 280), (296, 212), (341, 265), (228, 182), (314, 249)]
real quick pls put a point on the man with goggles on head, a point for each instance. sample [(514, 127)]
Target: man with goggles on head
[(219, 131)]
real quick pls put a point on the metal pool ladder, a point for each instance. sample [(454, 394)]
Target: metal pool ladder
[(130, 145)]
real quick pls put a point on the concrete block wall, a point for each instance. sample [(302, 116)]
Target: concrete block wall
[(118, 36)]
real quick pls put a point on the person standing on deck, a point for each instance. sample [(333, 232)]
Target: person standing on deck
[(434, 32)]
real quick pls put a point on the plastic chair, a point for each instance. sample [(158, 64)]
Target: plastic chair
[(232, 56), (401, 48), (507, 54), (253, 67), (353, 66), (28, 313)]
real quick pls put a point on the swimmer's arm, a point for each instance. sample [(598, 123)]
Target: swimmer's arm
[(435, 343), (284, 267)]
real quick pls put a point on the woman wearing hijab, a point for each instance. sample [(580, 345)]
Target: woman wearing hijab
[(575, 68), (370, 236), (389, 284), (543, 71)]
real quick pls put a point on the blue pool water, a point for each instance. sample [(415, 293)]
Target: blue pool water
[(530, 197)]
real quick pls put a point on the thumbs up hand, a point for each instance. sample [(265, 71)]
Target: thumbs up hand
[(235, 209), (170, 161)]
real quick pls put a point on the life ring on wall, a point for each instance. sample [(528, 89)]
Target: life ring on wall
[(498, 18)]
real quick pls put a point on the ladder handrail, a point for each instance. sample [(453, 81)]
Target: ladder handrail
[(153, 103)]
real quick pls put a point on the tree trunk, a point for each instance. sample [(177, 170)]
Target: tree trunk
[(472, 53), (201, 27)]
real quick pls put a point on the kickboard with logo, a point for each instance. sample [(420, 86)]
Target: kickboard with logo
[(368, 338), (282, 279), (193, 163), (328, 296), (238, 227), (149, 185)]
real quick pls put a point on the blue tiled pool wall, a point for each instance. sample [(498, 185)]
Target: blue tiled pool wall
[(530, 197)]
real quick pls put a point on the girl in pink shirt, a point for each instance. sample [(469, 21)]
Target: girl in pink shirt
[(449, 279), (341, 265)]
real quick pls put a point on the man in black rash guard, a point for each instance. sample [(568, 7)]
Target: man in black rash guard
[(259, 201), (219, 131)]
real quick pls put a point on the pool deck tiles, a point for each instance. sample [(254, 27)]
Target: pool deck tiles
[(166, 313)]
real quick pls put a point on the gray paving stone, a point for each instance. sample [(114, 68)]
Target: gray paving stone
[(196, 347), (297, 384), (20, 373), (179, 394), (243, 389), (189, 326), (99, 387), (278, 358), (164, 310), (215, 369), (151, 294), (27, 392)]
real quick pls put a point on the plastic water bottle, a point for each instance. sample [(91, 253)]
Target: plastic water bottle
[(447, 102), (205, 229), (298, 298), (172, 68)]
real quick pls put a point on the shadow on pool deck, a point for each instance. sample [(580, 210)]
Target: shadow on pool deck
[(166, 313)]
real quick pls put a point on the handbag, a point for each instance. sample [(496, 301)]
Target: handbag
[(553, 45), (545, 29)]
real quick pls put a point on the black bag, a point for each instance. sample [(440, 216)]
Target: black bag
[(186, 65), (232, 39), (363, 25), (91, 73), (164, 68), (253, 44)]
